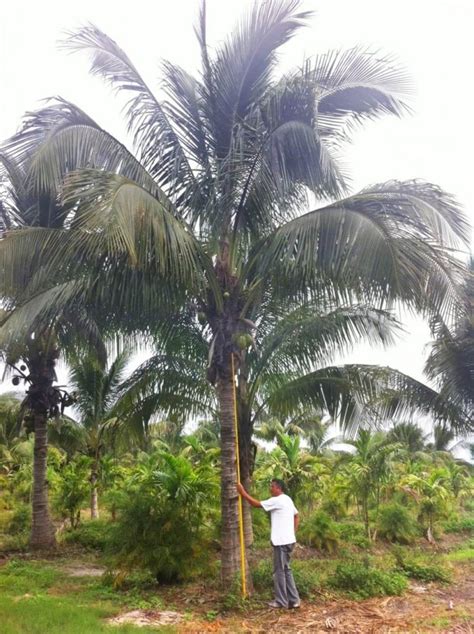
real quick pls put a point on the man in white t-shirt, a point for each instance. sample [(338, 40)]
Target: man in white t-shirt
[(284, 520)]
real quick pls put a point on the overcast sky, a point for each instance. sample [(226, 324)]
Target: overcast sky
[(433, 39)]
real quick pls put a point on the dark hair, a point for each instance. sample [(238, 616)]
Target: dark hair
[(280, 484)]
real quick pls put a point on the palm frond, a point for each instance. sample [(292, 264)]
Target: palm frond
[(354, 85), (306, 338), (171, 385), (355, 395), (117, 219), (338, 391), (390, 240), (61, 138), (97, 386), (243, 64), (400, 395), (159, 147), (128, 219)]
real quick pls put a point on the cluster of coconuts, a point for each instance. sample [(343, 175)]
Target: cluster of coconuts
[(242, 340)]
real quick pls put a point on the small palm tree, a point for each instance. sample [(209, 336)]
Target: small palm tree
[(10, 431), (290, 462), (431, 493), (368, 469), (98, 393), (409, 435)]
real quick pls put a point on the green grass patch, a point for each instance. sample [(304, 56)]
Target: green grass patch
[(19, 576), (354, 533), (460, 525), (417, 566), (37, 597), (56, 615), (361, 580), (93, 535), (463, 554)]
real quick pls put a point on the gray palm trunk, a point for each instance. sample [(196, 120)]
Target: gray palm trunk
[(94, 491), (41, 399), (246, 452), (42, 529), (230, 541)]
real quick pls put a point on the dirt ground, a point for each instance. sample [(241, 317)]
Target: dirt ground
[(423, 608)]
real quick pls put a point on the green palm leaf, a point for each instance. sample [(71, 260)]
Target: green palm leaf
[(160, 149), (385, 241)]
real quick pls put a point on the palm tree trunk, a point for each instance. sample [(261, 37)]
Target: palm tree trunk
[(246, 448), (365, 512), (94, 492), (230, 543), (247, 458), (246, 479), (42, 529)]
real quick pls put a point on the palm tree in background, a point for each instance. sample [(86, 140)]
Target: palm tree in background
[(98, 389), (368, 469), (205, 223), (451, 362), (32, 350), (409, 435), (11, 436)]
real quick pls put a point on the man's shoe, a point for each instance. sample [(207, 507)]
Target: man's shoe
[(294, 606), (274, 604)]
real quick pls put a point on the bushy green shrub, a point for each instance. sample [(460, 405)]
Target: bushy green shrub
[(262, 574), (335, 506), (93, 534), (354, 533), (396, 523), (20, 521), (164, 518), (306, 578), (72, 490), (261, 527), (416, 569), (362, 581), (320, 531), (460, 525), (17, 528)]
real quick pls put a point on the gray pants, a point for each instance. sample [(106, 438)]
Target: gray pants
[(284, 586)]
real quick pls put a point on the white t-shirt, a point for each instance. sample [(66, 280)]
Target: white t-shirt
[(282, 513)]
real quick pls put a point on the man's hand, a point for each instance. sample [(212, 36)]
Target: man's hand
[(247, 497)]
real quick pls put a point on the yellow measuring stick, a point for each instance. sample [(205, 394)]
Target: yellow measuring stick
[(241, 516)]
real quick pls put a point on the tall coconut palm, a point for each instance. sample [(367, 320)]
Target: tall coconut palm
[(225, 166), (35, 350)]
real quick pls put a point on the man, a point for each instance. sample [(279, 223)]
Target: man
[(284, 520)]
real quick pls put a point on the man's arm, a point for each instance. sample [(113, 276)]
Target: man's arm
[(297, 521), (248, 497)]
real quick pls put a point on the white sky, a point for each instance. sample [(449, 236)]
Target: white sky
[(433, 39)]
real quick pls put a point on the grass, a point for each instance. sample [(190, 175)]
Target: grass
[(36, 597), (463, 554)]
